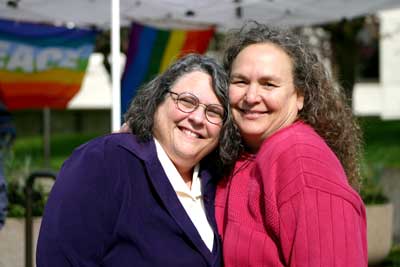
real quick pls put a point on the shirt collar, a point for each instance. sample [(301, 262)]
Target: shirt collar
[(175, 178)]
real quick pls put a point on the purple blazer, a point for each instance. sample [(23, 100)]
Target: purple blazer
[(113, 205)]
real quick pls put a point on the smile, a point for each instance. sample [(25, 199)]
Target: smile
[(252, 112), (190, 133)]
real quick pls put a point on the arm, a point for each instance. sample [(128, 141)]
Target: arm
[(318, 219), (80, 214), (323, 228)]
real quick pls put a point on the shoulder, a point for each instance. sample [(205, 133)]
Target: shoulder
[(106, 155), (104, 164), (116, 144), (297, 158), (295, 142), (299, 133)]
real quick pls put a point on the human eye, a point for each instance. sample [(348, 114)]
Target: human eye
[(215, 111), (268, 84), (238, 81), (188, 101)]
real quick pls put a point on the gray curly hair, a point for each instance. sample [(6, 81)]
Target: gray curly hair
[(140, 115)]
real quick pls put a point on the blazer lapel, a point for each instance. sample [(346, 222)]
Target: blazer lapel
[(168, 196), (208, 190)]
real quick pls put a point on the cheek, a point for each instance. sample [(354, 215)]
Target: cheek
[(274, 102), (235, 94), (214, 132), (171, 114), (279, 101), (158, 127), (236, 115)]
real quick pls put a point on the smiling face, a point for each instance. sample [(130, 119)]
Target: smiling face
[(187, 137), (262, 93)]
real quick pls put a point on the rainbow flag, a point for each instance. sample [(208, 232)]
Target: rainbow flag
[(42, 65), (151, 51)]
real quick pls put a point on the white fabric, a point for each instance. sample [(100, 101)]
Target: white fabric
[(221, 13), (190, 198)]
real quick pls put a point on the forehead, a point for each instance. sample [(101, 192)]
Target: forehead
[(263, 58), (197, 83)]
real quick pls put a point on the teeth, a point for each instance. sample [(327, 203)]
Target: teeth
[(250, 112), (190, 133)]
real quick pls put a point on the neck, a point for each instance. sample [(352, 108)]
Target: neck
[(187, 175), (252, 147)]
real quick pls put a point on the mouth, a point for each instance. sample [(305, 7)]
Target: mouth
[(252, 112), (190, 133)]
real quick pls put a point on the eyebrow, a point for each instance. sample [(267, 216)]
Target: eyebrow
[(263, 77), (237, 76)]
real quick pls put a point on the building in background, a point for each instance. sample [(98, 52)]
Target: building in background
[(382, 97)]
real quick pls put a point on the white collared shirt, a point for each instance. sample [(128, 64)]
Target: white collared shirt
[(190, 198)]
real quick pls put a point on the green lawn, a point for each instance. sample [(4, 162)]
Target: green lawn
[(382, 141), (28, 152), (26, 156)]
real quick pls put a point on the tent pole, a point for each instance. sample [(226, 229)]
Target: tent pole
[(115, 65)]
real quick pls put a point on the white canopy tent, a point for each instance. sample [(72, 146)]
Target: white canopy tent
[(187, 13), (223, 13)]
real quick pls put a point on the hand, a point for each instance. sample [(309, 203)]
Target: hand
[(124, 129)]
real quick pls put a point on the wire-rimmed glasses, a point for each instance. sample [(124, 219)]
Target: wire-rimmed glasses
[(187, 102)]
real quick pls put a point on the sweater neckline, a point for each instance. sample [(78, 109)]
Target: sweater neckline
[(246, 155)]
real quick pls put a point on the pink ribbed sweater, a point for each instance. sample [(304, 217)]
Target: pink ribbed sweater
[(291, 205)]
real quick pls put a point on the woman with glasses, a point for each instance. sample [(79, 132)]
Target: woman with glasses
[(146, 198)]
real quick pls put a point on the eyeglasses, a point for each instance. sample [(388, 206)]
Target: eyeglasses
[(187, 102)]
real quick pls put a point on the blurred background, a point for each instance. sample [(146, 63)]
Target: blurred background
[(362, 50)]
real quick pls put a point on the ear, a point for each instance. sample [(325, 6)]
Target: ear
[(300, 102)]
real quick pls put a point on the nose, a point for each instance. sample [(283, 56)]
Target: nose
[(251, 96), (198, 115)]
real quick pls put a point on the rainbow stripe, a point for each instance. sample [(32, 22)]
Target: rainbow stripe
[(152, 50), (42, 65)]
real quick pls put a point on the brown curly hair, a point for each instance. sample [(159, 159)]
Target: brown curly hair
[(325, 107)]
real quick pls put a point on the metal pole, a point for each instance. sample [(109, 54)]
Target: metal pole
[(28, 212), (28, 227), (115, 66)]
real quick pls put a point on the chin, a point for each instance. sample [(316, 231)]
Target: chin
[(187, 153), (252, 130)]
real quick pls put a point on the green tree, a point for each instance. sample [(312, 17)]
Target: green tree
[(345, 51)]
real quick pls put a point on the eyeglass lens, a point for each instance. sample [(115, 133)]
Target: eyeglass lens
[(188, 102)]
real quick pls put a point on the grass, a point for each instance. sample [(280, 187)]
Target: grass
[(393, 259), (382, 141), (27, 155), (30, 151)]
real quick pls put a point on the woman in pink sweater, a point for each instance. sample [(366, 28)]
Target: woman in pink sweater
[(290, 199)]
